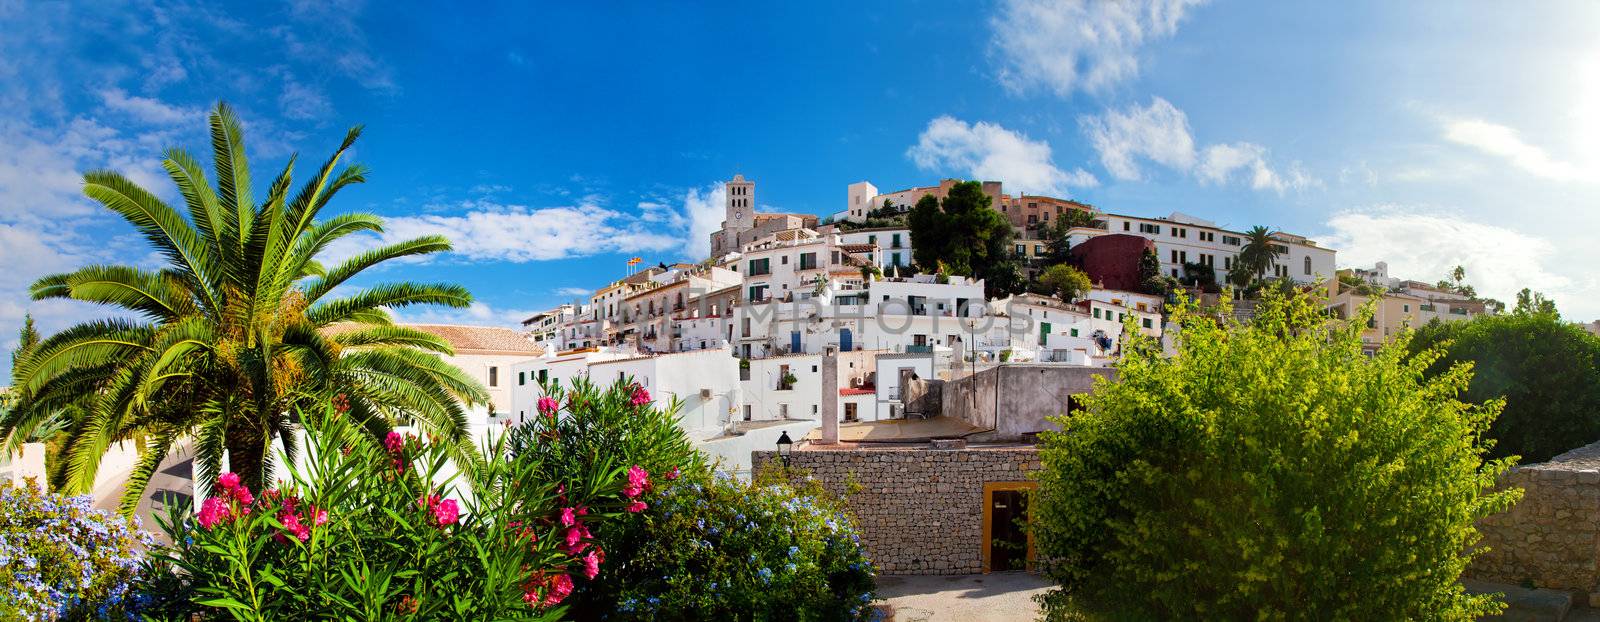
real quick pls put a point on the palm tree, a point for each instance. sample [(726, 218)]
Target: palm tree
[(1259, 253), (232, 334)]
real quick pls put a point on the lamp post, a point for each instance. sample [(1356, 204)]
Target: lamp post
[(784, 444)]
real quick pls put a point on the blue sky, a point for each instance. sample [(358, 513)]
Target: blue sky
[(551, 143)]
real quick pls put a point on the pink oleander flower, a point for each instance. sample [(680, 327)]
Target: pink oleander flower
[(446, 512), (637, 506), (673, 474), (560, 588), (569, 517), (592, 561), (228, 481), (321, 518), (640, 396), (575, 536), (214, 510), (291, 524), (243, 496), (548, 406), (394, 442), (638, 482)]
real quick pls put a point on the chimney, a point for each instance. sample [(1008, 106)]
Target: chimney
[(830, 396)]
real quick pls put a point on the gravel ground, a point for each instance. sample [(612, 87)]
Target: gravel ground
[(998, 596)]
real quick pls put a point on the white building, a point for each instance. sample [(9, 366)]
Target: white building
[(1180, 239), (892, 245), (544, 328)]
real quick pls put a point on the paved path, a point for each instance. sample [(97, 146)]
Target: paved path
[(998, 597)]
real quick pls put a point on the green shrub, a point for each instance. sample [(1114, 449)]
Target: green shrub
[(374, 529), (61, 559), (1547, 370), (719, 549), (686, 555), (1267, 471)]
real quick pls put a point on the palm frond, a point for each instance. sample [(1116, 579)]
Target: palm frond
[(139, 479), (393, 336), (160, 225), (157, 295), (389, 295), (233, 173), (90, 344), (424, 245)]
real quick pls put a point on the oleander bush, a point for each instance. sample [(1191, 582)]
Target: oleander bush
[(720, 549), (61, 559), (704, 546), (1268, 470), (377, 529)]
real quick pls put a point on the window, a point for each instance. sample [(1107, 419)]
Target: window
[(759, 267), (758, 293), (1145, 227), (1231, 240), (1097, 314), (1038, 249), (522, 378), (872, 239), (1125, 226), (1405, 308), (1281, 249), (1180, 232), (1022, 249), (1147, 322), (783, 411), (545, 373), (784, 260), (494, 376), (895, 241), (1074, 332), (808, 261), (1308, 265)]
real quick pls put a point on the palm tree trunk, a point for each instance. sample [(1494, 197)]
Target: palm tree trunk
[(246, 451)]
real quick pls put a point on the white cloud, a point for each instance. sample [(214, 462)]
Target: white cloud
[(571, 292), (1160, 133), (299, 101), (703, 210), (1220, 162), (148, 110), (1069, 45), (987, 151), (1504, 142), (1426, 246)]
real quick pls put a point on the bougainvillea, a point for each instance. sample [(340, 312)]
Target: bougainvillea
[(62, 559)]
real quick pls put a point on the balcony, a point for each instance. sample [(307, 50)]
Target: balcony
[(919, 349)]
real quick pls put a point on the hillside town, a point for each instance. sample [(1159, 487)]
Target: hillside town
[(1020, 310)]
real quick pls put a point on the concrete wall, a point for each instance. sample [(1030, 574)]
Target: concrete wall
[(920, 510), (1552, 536), (28, 461), (1014, 399)]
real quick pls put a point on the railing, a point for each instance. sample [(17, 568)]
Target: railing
[(919, 349)]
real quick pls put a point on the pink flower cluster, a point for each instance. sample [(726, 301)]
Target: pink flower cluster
[(396, 445), (546, 590), (445, 511), (294, 518), (548, 406), (638, 483), (640, 396), (234, 501)]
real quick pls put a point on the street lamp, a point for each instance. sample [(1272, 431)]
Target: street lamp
[(784, 444)]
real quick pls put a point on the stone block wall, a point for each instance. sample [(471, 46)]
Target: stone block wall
[(920, 510), (1552, 536)]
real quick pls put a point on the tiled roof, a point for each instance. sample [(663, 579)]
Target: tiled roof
[(467, 339)]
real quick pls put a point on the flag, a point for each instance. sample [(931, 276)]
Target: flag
[(634, 261)]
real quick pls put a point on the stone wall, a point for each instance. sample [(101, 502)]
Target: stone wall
[(920, 510), (1552, 536)]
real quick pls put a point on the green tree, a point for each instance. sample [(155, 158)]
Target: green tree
[(1267, 470), (1530, 302), (1065, 282), (1548, 372), (1057, 247), (964, 233), (234, 330), (1257, 256), (27, 338)]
